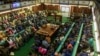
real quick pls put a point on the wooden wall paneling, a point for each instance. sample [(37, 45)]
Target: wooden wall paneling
[(39, 7), (75, 10), (48, 7), (86, 10), (90, 11), (35, 8), (42, 6), (51, 7), (79, 10), (56, 7), (71, 11), (32, 8)]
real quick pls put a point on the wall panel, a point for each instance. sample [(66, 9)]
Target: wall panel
[(5, 7), (55, 1)]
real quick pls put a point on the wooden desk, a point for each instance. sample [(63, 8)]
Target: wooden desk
[(49, 30)]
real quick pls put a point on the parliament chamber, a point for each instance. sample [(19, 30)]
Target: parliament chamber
[(49, 28)]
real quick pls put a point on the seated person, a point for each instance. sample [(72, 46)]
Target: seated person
[(11, 43), (84, 37), (72, 42), (42, 50), (90, 42), (83, 53), (34, 29), (43, 21), (66, 53), (37, 42), (69, 46), (19, 27), (51, 51), (45, 44), (34, 48), (61, 37)]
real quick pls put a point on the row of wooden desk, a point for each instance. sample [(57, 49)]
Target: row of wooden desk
[(48, 30)]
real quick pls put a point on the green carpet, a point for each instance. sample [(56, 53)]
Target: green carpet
[(24, 50), (50, 18), (65, 19)]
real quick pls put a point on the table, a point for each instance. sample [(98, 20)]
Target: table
[(49, 30)]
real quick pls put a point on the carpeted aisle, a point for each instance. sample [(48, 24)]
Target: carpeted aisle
[(66, 19), (24, 50)]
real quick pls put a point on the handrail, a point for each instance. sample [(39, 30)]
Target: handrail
[(18, 33), (64, 39), (95, 53), (77, 43), (94, 46)]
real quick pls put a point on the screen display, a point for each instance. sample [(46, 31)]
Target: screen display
[(15, 5)]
